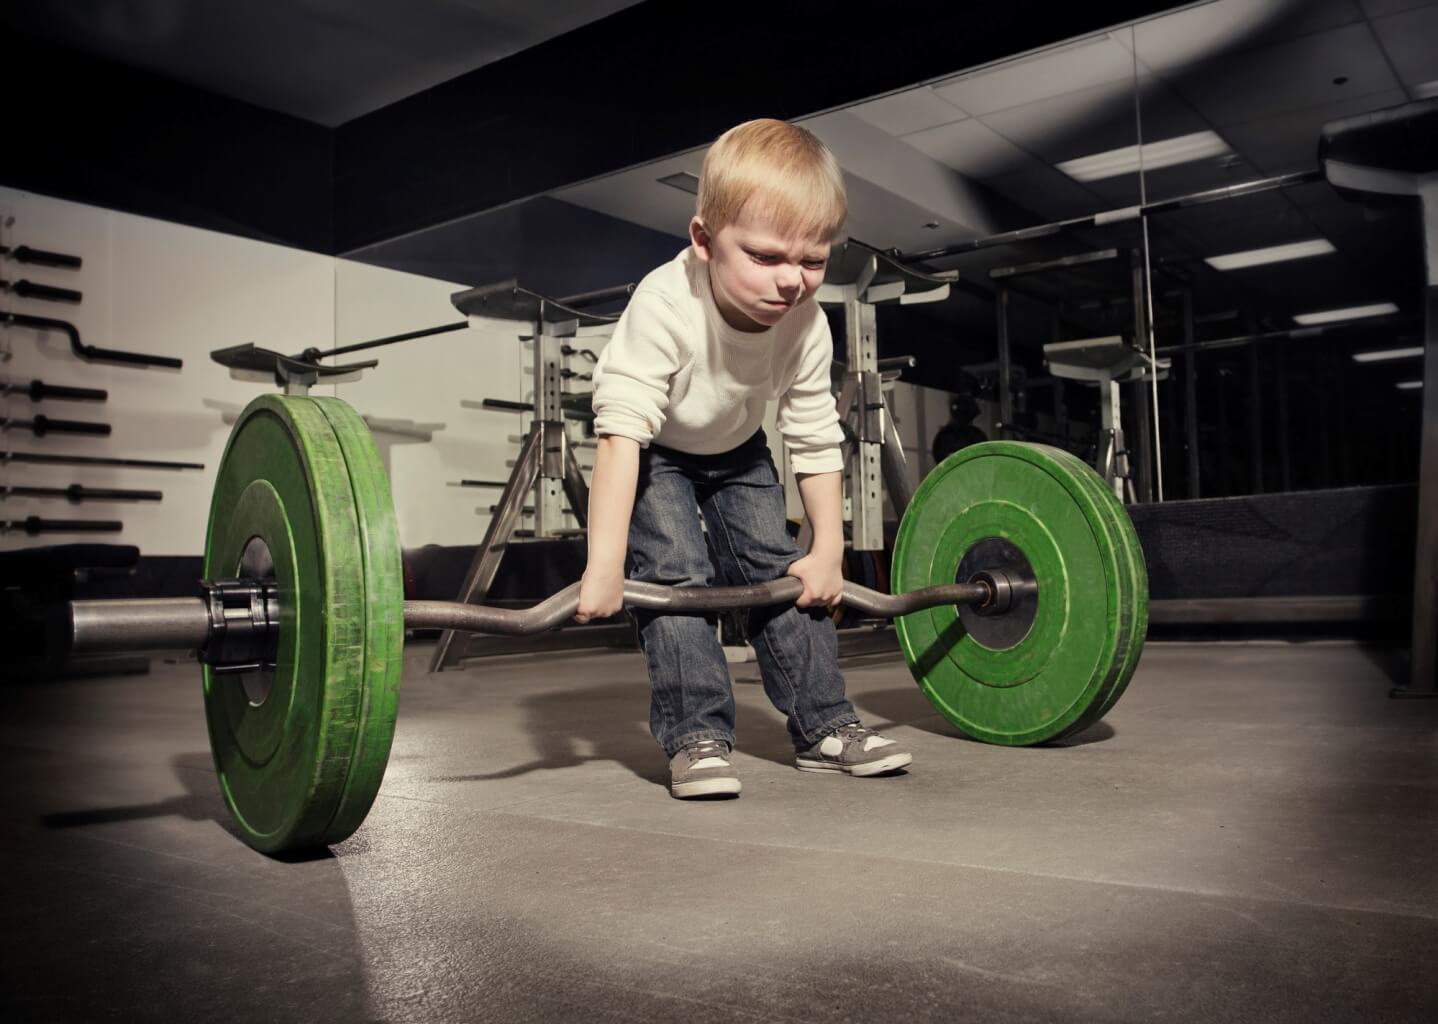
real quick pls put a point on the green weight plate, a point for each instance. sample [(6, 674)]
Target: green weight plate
[(283, 761), (1139, 570), (384, 614), (1138, 594), (1051, 681)]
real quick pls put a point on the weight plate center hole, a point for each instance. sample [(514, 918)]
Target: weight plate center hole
[(1007, 617), (256, 563)]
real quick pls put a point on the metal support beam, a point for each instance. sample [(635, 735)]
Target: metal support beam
[(1005, 385), (496, 540), (1424, 667), (1190, 397), (1285, 457), (1143, 411), (866, 498), (1255, 423)]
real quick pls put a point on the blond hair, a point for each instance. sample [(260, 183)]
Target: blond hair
[(779, 173)]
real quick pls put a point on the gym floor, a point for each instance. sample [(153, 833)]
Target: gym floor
[(1249, 836)]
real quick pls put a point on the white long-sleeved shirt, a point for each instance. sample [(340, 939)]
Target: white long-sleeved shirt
[(676, 374)]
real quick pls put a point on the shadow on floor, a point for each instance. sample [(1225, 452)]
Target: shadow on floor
[(201, 801), (569, 729), (907, 706), (609, 723)]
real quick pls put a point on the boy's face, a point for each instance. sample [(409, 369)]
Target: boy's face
[(757, 274)]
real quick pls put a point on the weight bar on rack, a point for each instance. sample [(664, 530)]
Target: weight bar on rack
[(1020, 603), (44, 458), (88, 352), (42, 425), (31, 290), (36, 524), (39, 391), (41, 257), (77, 493)]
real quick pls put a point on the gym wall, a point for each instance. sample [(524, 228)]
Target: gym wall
[(160, 288), (156, 288)]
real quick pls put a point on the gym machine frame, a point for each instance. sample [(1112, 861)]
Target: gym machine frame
[(547, 465), (860, 278)]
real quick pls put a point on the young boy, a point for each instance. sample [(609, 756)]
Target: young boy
[(706, 342)]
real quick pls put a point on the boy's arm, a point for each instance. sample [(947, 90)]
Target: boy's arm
[(822, 568), (631, 394), (809, 423), (611, 500)]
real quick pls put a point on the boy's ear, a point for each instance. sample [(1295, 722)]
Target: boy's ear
[(699, 236)]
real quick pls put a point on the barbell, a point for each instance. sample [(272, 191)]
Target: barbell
[(1020, 605)]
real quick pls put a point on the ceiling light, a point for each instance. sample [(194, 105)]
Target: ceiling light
[(1150, 156), (1272, 254), (1426, 91), (683, 181), (1409, 385), (1329, 316), (1388, 353)]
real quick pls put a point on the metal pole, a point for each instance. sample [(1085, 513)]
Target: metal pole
[(1142, 408), (1190, 396), (1424, 673), (1285, 459), (1255, 423), (1006, 391)]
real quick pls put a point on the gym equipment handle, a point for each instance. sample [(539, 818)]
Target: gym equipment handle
[(42, 425), (32, 290), (140, 624), (25, 254), (85, 351), (39, 391), (35, 524)]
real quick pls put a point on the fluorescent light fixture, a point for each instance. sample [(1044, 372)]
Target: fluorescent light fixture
[(683, 181), (1272, 254), (1388, 353), (1409, 385), (1426, 90), (1329, 316), (1164, 153)]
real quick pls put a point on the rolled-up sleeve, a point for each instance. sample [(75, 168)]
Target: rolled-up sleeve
[(807, 416), (631, 379)]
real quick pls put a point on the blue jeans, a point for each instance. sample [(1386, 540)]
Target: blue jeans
[(743, 540)]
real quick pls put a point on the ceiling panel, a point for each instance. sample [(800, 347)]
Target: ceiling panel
[(1378, 8), (1411, 41), (1289, 142), (972, 148), (1075, 124), (636, 195), (1286, 77), (1051, 73), (883, 219), (909, 111), (1206, 31), (1051, 195)]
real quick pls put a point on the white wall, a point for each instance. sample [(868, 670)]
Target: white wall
[(152, 287), (155, 287), (414, 400)]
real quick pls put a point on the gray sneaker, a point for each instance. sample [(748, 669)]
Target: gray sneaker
[(703, 769), (854, 750)]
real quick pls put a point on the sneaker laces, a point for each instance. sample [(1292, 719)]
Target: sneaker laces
[(707, 748)]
